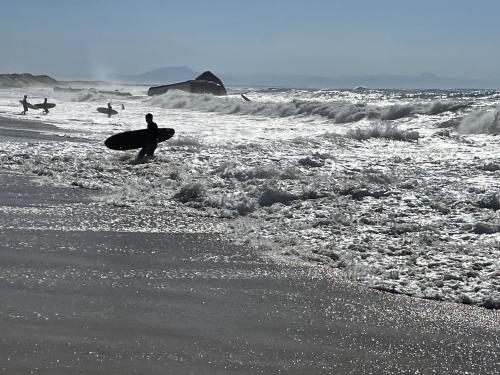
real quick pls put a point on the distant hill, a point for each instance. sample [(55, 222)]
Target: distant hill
[(158, 76), (19, 80), (25, 80)]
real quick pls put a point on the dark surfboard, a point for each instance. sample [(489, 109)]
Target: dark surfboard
[(106, 111), (45, 106), (136, 139), (29, 105)]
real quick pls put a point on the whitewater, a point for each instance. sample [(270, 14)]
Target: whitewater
[(396, 190)]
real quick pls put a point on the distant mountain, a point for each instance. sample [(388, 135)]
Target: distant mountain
[(158, 76)]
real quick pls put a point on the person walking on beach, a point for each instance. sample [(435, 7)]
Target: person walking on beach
[(109, 109), (45, 109), (149, 149), (24, 102)]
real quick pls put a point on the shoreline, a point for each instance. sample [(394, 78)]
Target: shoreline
[(115, 191), (102, 301), (425, 266)]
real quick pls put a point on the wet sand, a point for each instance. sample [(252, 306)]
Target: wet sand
[(26, 130), (130, 302)]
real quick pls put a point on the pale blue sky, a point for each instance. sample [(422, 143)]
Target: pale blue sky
[(319, 37)]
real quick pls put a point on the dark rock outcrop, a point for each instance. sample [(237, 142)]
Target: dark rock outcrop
[(205, 83), (209, 76)]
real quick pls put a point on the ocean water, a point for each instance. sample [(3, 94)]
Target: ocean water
[(397, 190)]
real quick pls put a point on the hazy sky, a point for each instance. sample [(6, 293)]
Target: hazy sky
[(455, 38)]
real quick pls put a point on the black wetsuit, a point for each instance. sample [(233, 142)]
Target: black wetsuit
[(45, 109), (25, 105), (150, 148)]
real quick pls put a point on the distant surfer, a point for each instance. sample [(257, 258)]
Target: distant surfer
[(123, 107), (110, 109), (149, 149), (45, 107), (24, 102)]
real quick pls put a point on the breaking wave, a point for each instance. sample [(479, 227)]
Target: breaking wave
[(338, 111), (481, 122), (87, 95)]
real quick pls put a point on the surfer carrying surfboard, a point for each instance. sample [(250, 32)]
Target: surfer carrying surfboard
[(45, 105), (24, 102), (149, 149), (109, 109)]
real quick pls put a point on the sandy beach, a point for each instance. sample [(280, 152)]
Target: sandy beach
[(85, 289)]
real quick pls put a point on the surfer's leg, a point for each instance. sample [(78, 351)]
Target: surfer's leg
[(151, 148), (141, 154)]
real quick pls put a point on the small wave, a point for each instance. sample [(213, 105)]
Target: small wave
[(386, 132), (338, 111), (87, 95), (481, 122)]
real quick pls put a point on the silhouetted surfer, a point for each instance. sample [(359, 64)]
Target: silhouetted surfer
[(45, 105), (24, 102), (109, 109), (123, 107), (149, 149)]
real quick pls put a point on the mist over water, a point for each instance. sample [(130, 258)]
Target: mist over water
[(395, 189)]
